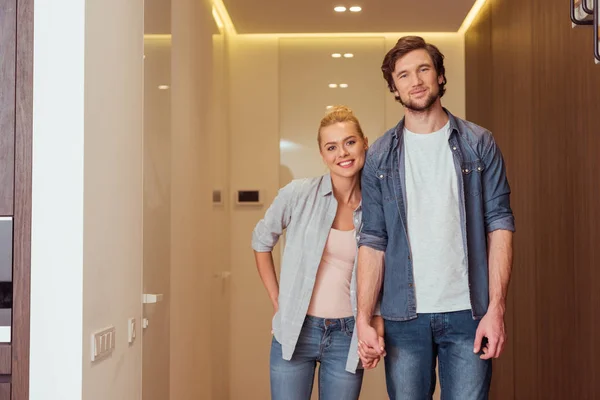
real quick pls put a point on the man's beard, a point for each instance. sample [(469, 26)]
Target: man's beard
[(425, 107)]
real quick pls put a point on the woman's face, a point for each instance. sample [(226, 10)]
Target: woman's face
[(342, 149)]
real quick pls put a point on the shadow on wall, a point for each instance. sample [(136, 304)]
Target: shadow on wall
[(285, 175)]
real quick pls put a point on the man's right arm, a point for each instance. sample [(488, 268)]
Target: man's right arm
[(369, 279), (372, 245)]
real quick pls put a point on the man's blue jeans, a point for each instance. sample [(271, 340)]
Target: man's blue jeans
[(412, 347), (321, 340)]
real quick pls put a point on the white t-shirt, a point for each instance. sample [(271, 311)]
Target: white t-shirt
[(434, 227)]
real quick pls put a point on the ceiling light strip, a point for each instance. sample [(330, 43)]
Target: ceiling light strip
[(477, 6), (221, 11), (217, 19), (158, 37)]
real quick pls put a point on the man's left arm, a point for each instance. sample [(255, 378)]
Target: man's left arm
[(491, 325), (499, 223)]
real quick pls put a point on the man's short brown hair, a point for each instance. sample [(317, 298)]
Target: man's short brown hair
[(404, 46)]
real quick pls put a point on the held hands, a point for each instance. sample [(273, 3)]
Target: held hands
[(371, 346), (490, 327)]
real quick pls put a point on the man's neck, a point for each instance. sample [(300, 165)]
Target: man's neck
[(428, 121)]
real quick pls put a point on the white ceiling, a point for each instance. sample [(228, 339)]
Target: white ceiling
[(317, 16)]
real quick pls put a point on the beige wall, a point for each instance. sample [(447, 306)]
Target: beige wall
[(254, 164), (113, 192), (194, 256), (279, 91), (157, 217), (219, 221)]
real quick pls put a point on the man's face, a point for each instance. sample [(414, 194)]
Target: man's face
[(417, 82)]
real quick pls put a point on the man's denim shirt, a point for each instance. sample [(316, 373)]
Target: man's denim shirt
[(484, 207)]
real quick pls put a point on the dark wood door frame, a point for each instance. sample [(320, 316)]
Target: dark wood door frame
[(22, 201)]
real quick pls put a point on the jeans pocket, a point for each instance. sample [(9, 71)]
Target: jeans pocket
[(349, 327)]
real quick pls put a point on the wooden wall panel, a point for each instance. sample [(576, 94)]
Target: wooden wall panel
[(552, 86), (5, 359), (545, 105), (22, 219), (4, 391), (583, 110), (8, 19), (512, 128)]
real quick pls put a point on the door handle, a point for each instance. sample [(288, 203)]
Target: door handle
[(148, 298)]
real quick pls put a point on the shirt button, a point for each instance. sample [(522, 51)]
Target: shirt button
[(357, 237), (454, 148), (478, 168), (410, 285), (381, 176), (356, 220)]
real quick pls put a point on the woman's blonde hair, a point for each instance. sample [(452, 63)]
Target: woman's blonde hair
[(339, 114)]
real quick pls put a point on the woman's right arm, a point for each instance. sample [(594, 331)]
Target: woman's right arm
[(266, 270), (266, 235)]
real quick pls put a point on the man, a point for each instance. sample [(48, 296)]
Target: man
[(436, 213)]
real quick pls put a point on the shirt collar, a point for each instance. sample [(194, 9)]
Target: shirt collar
[(327, 188)]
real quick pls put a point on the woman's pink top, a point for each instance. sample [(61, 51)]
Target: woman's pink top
[(331, 294)]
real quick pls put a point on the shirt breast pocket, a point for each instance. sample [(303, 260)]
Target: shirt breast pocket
[(472, 171), (384, 177)]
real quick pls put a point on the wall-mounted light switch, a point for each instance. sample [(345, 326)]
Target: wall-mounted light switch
[(103, 343), (131, 330)]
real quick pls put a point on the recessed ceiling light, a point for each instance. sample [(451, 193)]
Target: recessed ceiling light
[(340, 9), (355, 9), (348, 55), (163, 87), (343, 85), (332, 85), (329, 107), (336, 55)]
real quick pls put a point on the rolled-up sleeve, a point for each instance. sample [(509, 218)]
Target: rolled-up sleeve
[(276, 219), (496, 191), (373, 233)]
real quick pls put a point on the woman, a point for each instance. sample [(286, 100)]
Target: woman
[(315, 301)]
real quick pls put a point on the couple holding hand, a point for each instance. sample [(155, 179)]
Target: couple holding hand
[(401, 253)]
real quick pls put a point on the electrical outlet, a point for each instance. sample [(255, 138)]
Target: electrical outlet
[(103, 343)]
